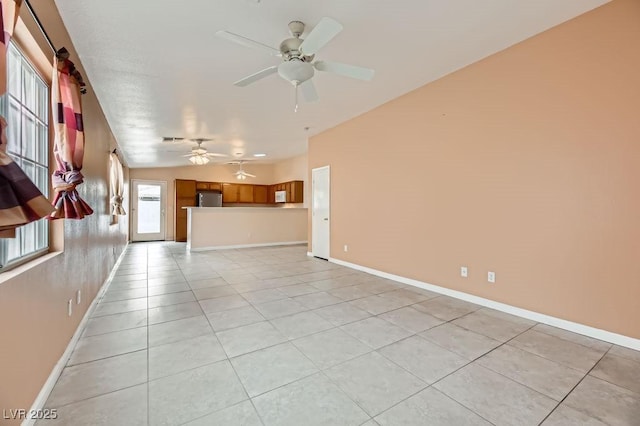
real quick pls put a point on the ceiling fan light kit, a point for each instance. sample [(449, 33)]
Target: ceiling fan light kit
[(241, 174), (298, 55), (296, 71), (199, 156), (199, 160)]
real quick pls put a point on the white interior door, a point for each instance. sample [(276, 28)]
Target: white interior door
[(149, 200), (320, 212)]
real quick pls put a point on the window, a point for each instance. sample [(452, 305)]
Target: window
[(26, 108)]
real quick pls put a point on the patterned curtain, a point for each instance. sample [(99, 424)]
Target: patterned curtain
[(68, 147), (116, 178), (21, 201)]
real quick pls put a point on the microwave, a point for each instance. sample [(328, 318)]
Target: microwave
[(281, 196)]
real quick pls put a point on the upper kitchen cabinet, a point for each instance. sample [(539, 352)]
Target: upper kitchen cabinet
[(271, 194), (260, 194), (230, 193), (245, 193), (294, 191), (208, 186)]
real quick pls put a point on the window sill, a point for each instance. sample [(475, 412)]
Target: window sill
[(21, 269)]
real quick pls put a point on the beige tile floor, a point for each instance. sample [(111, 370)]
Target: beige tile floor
[(269, 336)]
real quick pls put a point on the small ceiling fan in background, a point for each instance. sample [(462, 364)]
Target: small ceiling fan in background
[(198, 155), (241, 174), (298, 66)]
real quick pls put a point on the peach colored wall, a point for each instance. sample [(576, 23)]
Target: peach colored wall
[(526, 163), (209, 173), (34, 326), (216, 227), (295, 168)]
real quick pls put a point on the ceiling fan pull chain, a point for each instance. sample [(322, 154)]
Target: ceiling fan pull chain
[(296, 108)]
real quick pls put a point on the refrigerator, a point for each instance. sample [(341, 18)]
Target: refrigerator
[(209, 199)]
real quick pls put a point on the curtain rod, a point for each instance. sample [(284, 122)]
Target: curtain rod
[(39, 24), (61, 53)]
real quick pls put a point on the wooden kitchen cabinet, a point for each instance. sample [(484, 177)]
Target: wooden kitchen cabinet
[(185, 196), (260, 194), (245, 193), (208, 186), (230, 192), (271, 194), (295, 191)]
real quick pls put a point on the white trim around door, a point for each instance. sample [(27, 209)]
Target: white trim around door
[(321, 212), (140, 232)]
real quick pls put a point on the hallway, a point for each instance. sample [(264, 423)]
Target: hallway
[(271, 336)]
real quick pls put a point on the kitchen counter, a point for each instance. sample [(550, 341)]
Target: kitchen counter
[(210, 228), (244, 208)]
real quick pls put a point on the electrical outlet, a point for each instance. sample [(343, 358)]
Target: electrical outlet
[(491, 277), (78, 297), (70, 307), (463, 271), (346, 248)]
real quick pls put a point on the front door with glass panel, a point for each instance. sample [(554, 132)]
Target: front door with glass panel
[(148, 210)]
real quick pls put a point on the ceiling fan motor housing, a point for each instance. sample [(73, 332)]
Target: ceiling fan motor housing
[(290, 49)]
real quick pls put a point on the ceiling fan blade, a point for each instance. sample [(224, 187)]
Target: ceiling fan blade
[(248, 174), (309, 91), (257, 76), (214, 154), (322, 34), (346, 70), (247, 42)]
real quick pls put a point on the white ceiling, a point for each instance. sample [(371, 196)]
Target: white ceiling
[(159, 70)]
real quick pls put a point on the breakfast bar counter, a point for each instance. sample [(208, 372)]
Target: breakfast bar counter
[(210, 228)]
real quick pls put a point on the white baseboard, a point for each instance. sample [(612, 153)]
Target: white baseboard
[(286, 243), (596, 333), (309, 254), (42, 397)]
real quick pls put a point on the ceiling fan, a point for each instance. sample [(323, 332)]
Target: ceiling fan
[(241, 174), (199, 155), (298, 66)]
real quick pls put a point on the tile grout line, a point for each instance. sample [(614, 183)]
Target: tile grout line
[(429, 385), (575, 343), (471, 362), (573, 388), (228, 361), (232, 367), (320, 371), (334, 326)]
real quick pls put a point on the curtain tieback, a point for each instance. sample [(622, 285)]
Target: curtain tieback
[(66, 181), (116, 200)]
